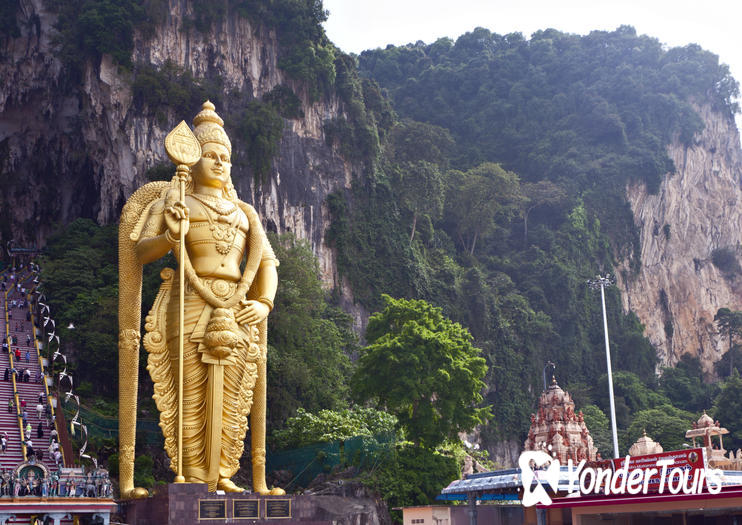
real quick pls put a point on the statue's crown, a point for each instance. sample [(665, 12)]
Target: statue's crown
[(209, 127)]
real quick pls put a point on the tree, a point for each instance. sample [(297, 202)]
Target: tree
[(80, 280), (477, 199), (420, 189), (542, 193), (417, 152), (665, 424), (308, 364), (306, 428), (600, 429), (631, 395), (421, 367), (729, 322), (684, 386), (728, 410)]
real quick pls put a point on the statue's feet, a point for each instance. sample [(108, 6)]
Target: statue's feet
[(263, 490), (227, 485), (135, 493)]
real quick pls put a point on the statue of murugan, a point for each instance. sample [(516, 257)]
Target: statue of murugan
[(222, 309)]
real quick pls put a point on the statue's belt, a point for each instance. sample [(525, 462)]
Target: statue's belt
[(220, 287)]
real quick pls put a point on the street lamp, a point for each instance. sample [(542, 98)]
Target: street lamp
[(601, 282)]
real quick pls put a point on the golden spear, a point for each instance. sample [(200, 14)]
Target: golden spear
[(184, 151)]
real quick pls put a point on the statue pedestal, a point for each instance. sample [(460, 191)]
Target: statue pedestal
[(191, 504)]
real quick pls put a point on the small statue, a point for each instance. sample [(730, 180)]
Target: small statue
[(224, 313), (54, 489)]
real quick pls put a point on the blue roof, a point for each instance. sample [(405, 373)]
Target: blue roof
[(510, 479)]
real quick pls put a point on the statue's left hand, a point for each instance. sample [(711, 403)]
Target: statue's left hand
[(252, 313)]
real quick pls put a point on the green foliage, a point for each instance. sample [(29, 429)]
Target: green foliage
[(305, 52), (600, 429), (162, 171), (422, 368), (588, 114), (367, 118), (206, 14), (725, 259), (373, 251), (728, 409), (260, 128), (80, 279), (309, 340), (730, 325), (306, 428), (286, 101), (478, 200), (631, 394), (412, 476), (665, 424), (170, 87), (684, 385), (416, 153), (143, 475), (88, 29)]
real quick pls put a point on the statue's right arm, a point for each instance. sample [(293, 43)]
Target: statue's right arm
[(153, 242), (162, 230)]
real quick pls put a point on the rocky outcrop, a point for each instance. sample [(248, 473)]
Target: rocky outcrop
[(80, 149), (695, 215)]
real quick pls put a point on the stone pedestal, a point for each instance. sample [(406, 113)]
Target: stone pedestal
[(191, 504)]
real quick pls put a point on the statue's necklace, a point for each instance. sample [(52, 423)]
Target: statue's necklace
[(222, 231), (220, 206)]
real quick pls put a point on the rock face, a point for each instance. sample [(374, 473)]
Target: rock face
[(80, 150), (696, 213)]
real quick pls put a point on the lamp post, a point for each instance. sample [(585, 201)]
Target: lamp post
[(601, 282)]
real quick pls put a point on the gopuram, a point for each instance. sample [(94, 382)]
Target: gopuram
[(557, 430)]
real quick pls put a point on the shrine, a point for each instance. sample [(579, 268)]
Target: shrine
[(557, 430)]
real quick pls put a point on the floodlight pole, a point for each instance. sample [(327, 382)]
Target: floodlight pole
[(602, 282)]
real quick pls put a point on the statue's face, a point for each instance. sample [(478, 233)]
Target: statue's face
[(214, 167)]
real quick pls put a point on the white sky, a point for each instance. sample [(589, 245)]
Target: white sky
[(716, 25)]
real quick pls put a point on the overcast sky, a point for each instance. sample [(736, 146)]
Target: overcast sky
[(356, 25)]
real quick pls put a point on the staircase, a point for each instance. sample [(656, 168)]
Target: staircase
[(17, 327), (23, 338)]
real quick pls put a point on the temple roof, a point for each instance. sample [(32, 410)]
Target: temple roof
[(645, 445), (557, 430)]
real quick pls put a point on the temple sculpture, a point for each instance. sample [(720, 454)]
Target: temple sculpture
[(557, 430), (206, 331)]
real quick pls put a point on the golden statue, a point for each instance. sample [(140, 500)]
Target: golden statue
[(207, 324)]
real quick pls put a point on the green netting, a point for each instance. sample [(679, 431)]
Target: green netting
[(306, 463), (100, 426)]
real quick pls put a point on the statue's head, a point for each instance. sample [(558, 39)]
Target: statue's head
[(214, 168)]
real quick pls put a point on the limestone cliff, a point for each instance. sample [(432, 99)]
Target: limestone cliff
[(696, 213), (79, 149)]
